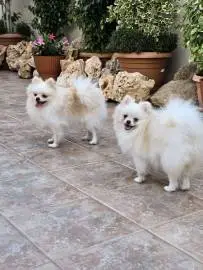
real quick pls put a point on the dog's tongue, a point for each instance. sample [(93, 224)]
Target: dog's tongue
[(39, 105)]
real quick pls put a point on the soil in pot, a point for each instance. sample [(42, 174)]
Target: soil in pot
[(151, 64), (48, 66)]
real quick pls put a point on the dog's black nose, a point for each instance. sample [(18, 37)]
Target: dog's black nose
[(37, 99), (128, 122)]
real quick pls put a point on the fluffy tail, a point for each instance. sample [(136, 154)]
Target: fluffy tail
[(90, 95)]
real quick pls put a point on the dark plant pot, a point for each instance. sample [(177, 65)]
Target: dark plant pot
[(10, 39), (199, 84), (151, 64), (104, 57), (48, 66)]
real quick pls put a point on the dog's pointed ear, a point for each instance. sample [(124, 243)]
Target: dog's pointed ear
[(51, 82), (146, 106), (126, 100), (36, 79)]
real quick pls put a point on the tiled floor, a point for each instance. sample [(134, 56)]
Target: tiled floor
[(77, 208)]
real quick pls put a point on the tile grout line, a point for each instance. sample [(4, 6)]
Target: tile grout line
[(110, 159), (123, 215), (177, 247), (101, 202), (63, 168), (22, 233), (94, 198), (175, 219)]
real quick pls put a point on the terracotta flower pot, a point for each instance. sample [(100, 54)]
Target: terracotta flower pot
[(151, 64), (48, 66), (199, 85), (104, 57), (10, 39)]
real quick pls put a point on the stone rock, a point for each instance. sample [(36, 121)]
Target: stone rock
[(35, 73), (106, 82), (185, 72), (111, 67), (12, 57), (31, 62), (2, 54), (25, 70), (134, 84), (70, 69), (93, 67), (19, 58), (185, 89), (72, 53)]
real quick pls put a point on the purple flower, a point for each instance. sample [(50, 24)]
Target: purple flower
[(40, 40)]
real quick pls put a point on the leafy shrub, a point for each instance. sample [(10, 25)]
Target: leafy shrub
[(90, 16), (193, 31), (143, 25), (3, 29), (129, 40), (151, 17), (23, 29), (50, 16)]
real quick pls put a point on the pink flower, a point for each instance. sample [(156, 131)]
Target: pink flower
[(52, 36)]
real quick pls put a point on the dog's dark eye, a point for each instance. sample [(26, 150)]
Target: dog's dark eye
[(125, 115), (44, 96), (35, 94), (135, 119)]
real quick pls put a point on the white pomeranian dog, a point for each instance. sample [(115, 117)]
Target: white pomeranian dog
[(167, 140), (53, 106)]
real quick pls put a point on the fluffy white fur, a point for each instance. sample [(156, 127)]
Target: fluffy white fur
[(58, 106), (169, 139)]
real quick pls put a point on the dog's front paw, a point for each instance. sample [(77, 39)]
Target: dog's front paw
[(53, 145), (139, 179), (170, 188)]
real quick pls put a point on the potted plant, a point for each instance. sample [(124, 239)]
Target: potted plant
[(193, 38), (90, 16), (48, 51), (10, 27), (145, 36)]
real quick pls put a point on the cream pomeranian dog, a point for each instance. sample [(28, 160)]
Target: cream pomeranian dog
[(53, 106), (168, 139)]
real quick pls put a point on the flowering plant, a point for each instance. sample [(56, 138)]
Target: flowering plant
[(48, 45)]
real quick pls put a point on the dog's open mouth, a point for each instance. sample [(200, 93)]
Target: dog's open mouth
[(129, 127), (40, 103)]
